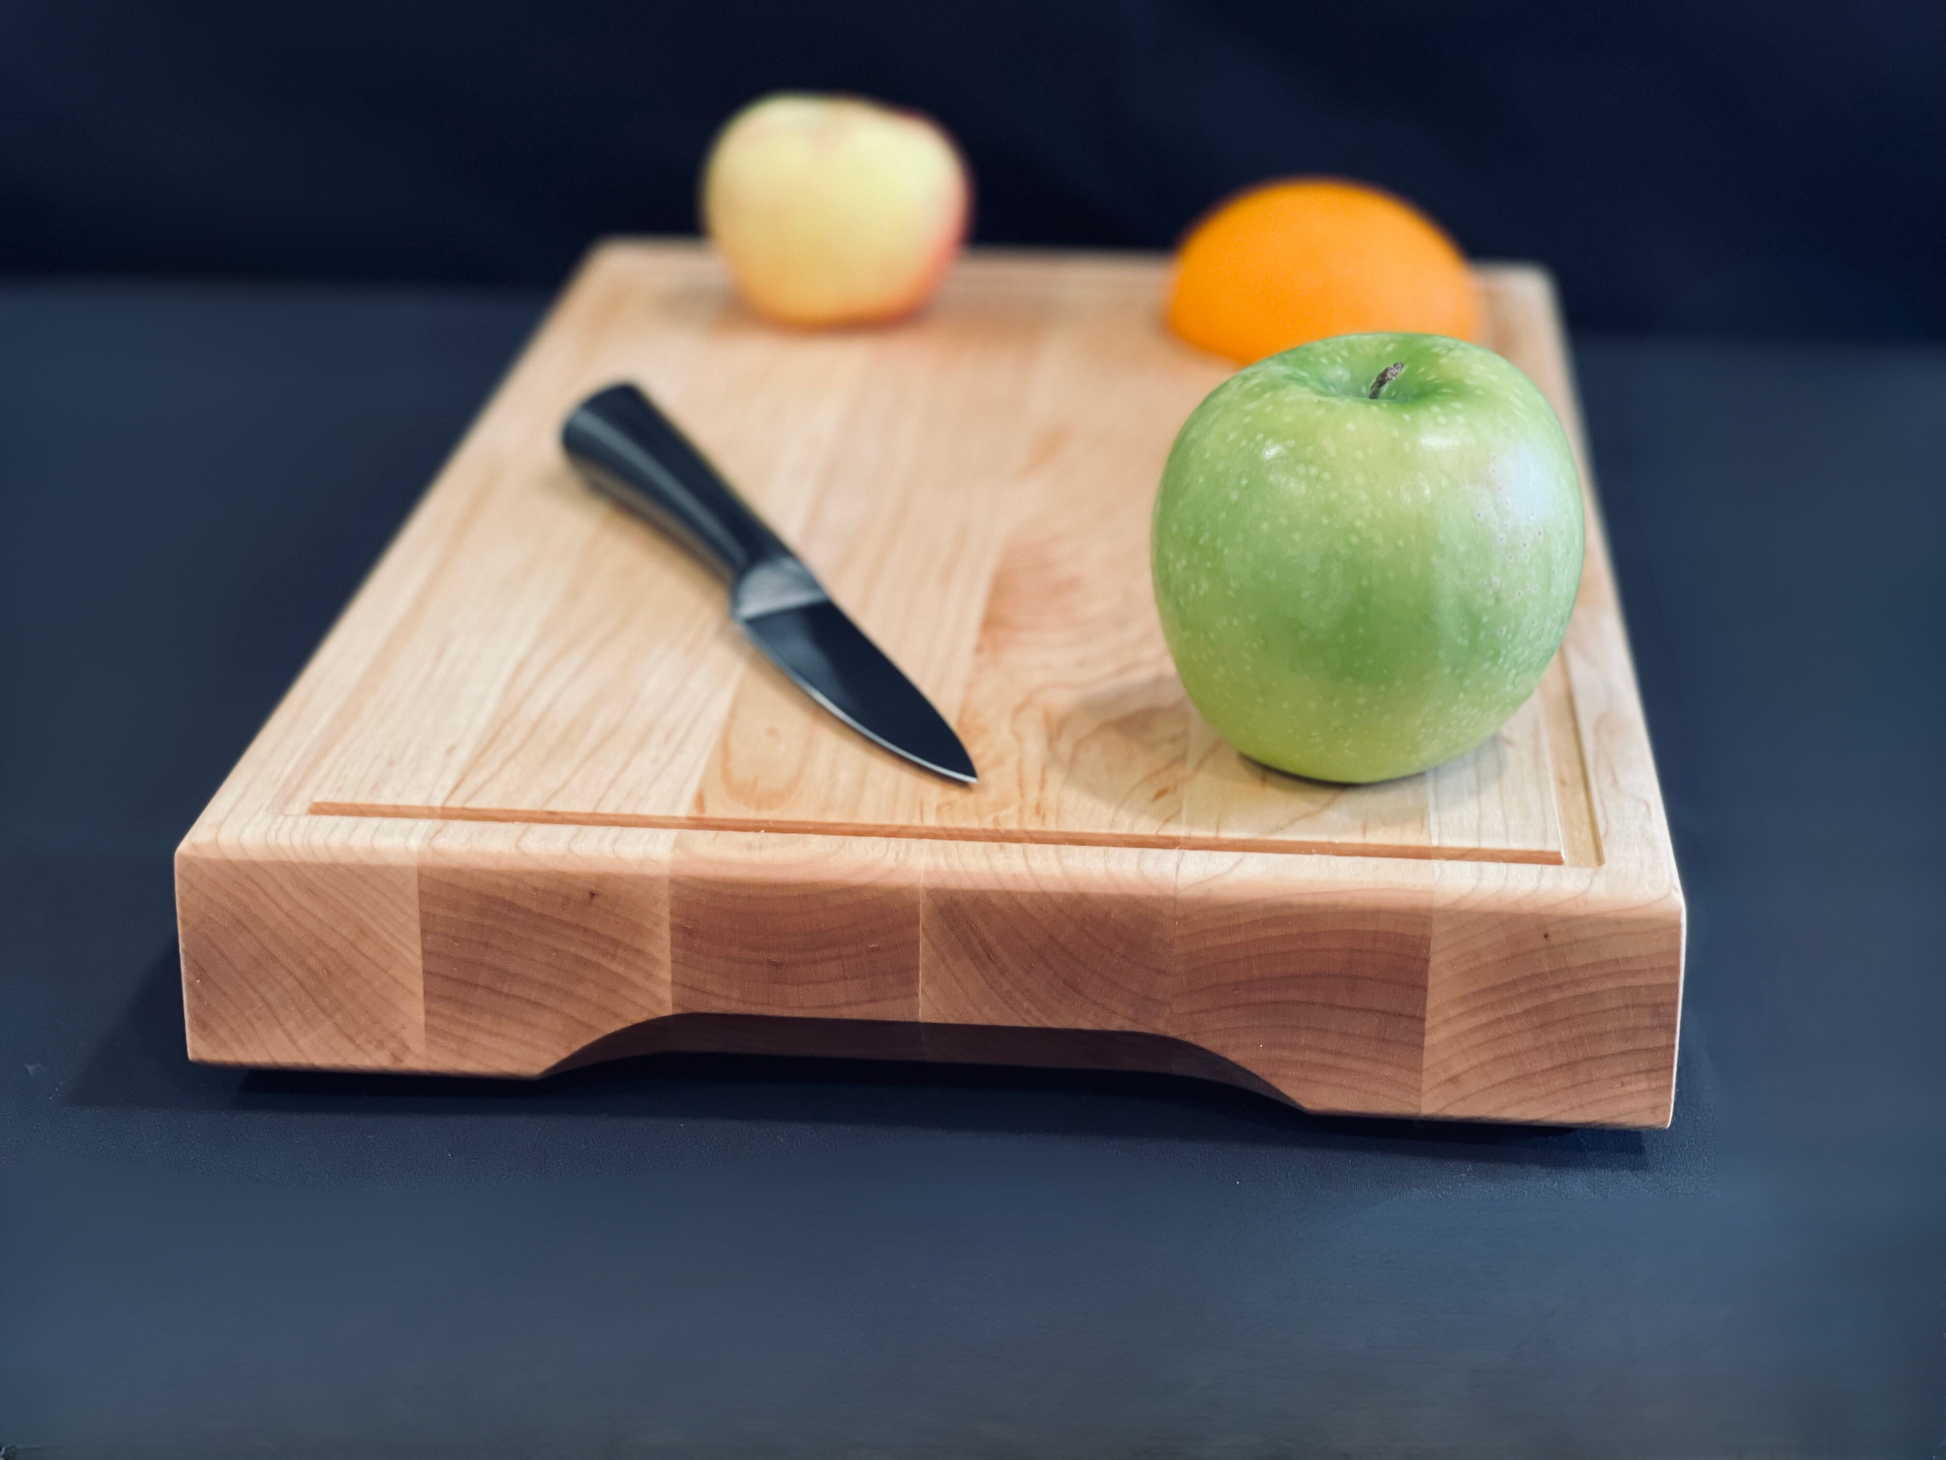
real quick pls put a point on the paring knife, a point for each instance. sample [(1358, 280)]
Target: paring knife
[(630, 451)]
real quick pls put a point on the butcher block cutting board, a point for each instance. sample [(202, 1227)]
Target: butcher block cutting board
[(535, 801)]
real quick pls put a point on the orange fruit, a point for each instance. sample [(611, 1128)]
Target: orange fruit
[(1305, 258)]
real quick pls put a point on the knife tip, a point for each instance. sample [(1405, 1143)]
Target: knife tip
[(961, 774), (961, 769)]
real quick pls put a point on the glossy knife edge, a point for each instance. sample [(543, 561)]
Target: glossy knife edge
[(632, 453)]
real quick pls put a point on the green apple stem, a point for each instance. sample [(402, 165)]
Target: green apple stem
[(1385, 377)]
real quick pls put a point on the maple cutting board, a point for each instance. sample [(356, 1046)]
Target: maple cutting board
[(536, 802)]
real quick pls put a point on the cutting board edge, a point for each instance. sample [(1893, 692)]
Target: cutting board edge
[(1457, 990)]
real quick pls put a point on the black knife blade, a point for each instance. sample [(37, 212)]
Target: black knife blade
[(632, 453)]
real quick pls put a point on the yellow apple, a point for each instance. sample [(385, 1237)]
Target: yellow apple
[(833, 209)]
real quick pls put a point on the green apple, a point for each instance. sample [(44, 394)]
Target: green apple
[(1365, 552)]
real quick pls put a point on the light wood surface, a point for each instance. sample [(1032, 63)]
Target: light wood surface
[(535, 800)]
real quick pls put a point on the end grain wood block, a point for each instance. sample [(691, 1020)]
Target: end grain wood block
[(822, 927), (540, 944), (535, 802), (1049, 937), (1318, 985)]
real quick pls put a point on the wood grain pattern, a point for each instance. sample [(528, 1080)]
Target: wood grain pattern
[(1316, 983), (542, 943), (535, 801)]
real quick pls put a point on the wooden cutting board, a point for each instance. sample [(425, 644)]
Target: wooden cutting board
[(536, 802)]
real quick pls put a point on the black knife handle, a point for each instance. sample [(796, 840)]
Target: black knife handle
[(630, 451)]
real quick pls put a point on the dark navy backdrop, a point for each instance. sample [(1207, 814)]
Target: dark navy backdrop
[(1697, 165)]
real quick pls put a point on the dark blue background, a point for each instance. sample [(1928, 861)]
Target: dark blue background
[(1724, 166)]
